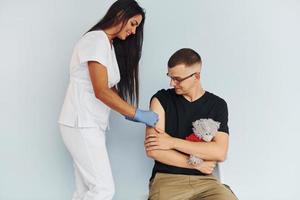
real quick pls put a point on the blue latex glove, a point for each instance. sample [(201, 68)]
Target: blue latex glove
[(144, 116)]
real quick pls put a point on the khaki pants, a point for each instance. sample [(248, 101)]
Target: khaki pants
[(185, 187)]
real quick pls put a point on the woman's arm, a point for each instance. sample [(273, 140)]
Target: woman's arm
[(99, 78)]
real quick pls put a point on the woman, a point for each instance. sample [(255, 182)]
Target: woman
[(103, 76)]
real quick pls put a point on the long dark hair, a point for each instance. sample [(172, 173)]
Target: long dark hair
[(128, 51)]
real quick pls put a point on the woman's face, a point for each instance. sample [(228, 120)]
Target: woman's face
[(130, 27)]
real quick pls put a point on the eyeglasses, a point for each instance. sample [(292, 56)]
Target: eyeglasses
[(178, 80)]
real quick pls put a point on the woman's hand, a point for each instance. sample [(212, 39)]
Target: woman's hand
[(159, 140), (145, 116), (206, 167)]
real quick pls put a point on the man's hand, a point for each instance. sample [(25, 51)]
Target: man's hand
[(159, 140), (206, 167)]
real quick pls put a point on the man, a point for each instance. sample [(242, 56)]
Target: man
[(173, 178)]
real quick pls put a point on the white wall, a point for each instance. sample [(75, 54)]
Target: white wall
[(250, 51)]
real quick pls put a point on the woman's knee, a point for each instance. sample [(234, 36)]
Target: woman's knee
[(102, 190)]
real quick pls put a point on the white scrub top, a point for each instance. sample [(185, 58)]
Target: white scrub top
[(81, 108)]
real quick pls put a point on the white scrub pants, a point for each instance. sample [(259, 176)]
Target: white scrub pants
[(93, 174)]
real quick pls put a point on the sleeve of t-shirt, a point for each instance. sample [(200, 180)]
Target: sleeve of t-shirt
[(222, 116), (93, 47), (162, 96)]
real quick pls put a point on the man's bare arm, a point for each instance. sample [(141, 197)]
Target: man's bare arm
[(214, 150), (172, 157), (169, 157)]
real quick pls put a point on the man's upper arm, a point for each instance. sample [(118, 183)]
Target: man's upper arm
[(155, 106), (222, 136), (222, 140)]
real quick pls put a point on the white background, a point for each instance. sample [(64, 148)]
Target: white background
[(250, 51)]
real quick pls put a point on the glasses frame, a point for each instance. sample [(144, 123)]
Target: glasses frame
[(178, 80)]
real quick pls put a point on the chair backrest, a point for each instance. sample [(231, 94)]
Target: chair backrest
[(216, 172)]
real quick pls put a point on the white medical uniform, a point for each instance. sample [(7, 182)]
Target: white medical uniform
[(84, 118)]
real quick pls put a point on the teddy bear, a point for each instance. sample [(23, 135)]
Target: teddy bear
[(204, 131)]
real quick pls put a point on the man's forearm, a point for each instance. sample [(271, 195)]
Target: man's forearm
[(170, 157), (204, 150)]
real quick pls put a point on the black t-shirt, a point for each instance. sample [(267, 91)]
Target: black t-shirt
[(179, 115)]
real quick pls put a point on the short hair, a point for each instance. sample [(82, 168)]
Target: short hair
[(184, 56)]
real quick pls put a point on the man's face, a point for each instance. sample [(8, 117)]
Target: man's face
[(183, 78)]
